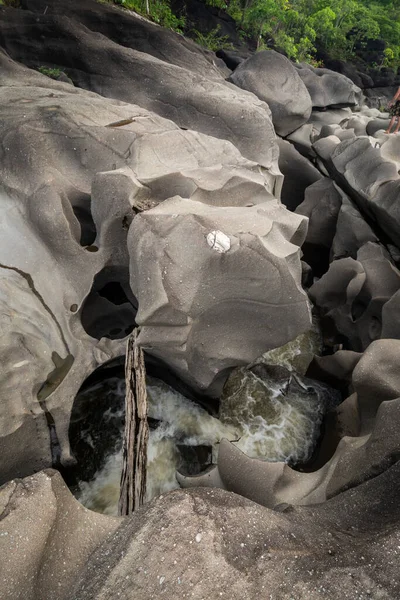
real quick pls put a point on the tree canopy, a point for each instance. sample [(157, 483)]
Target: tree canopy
[(300, 27)]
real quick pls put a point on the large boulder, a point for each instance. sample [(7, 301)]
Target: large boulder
[(370, 180), (273, 78), (216, 286), (327, 88), (322, 202), (124, 27), (352, 230), (202, 543)]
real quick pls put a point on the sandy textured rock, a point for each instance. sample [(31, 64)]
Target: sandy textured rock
[(203, 311), (327, 88), (273, 78), (206, 543), (46, 536)]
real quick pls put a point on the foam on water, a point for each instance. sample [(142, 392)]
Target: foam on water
[(262, 420), (181, 421)]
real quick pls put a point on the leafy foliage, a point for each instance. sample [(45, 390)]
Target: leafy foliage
[(12, 3), (158, 11), (53, 73), (212, 40), (300, 27)]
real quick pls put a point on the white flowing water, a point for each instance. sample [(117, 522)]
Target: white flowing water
[(290, 436), (181, 421), (261, 418)]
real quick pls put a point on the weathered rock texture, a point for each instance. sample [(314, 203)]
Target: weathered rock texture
[(353, 292), (299, 173), (370, 179), (75, 169), (174, 86), (327, 88), (376, 381), (203, 543), (204, 311)]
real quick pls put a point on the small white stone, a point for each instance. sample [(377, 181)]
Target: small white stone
[(198, 538), (218, 241)]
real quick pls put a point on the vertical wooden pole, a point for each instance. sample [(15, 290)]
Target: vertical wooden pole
[(136, 435)]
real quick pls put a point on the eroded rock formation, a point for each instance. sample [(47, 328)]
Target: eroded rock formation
[(152, 197)]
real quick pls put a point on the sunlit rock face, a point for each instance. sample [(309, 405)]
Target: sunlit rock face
[(203, 311)]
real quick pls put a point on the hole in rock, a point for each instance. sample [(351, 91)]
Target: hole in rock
[(179, 437), (107, 310), (91, 248), (114, 292), (183, 435), (358, 308), (88, 228)]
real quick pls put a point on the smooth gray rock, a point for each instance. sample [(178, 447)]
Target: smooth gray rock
[(372, 181), (328, 88), (273, 78), (332, 116), (322, 202), (302, 139), (298, 172), (165, 86), (352, 231), (391, 317), (353, 292), (203, 311)]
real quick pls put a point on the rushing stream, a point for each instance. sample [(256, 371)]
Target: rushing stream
[(264, 416), (268, 411)]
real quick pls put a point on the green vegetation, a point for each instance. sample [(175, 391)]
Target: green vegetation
[(300, 27), (212, 40), (53, 73), (12, 3), (158, 11)]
